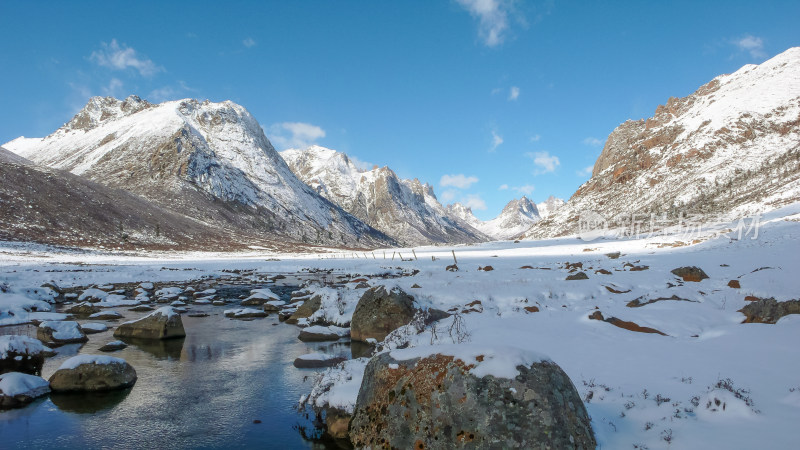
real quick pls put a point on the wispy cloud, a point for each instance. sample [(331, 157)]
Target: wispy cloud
[(121, 57), (493, 18), (170, 92), (294, 135), (513, 93), (536, 138), (544, 162), (526, 189), (114, 88), (496, 141), (360, 164), (459, 181), (448, 195), (592, 142), (585, 172), (475, 202), (249, 42), (751, 44), (503, 187)]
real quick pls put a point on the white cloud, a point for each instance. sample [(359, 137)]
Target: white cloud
[(166, 93), (544, 161), (496, 141), (121, 57), (503, 187), (294, 135), (525, 189), (492, 18), (475, 202), (448, 196), (592, 142), (513, 93), (459, 181), (752, 44), (249, 42), (363, 165), (536, 138), (585, 172), (114, 88)]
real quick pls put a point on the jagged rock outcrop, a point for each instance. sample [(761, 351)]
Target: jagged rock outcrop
[(731, 149), (517, 217), (208, 161), (406, 210)]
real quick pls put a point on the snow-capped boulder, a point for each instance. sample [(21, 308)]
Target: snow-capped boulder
[(106, 315), (113, 346), (379, 312), (65, 332), (244, 313), (490, 398), (319, 333), (259, 296), (18, 389), (93, 373), (93, 327), (21, 354), (93, 295), (274, 306), (306, 310), (82, 309), (163, 323)]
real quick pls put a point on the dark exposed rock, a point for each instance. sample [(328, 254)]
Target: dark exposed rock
[(307, 363), (577, 276), (451, 268), (82, 309), (437, 403), (769, 310), (630, 326), (641, 301), (734, 284), (690, 273)]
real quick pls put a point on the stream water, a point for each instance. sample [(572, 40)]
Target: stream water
[(204, 391)]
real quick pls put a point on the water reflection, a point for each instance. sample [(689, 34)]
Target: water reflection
[(161, 348), (88, 402)]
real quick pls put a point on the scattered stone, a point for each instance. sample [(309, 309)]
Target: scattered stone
[(603, 271), (416, 286), (163, 323), (613, 255), (106, 315), (319, 333), (141, 308), (65, 332), (690, 273), (93, 295), (640, 301), (113, 346), (317, 360), (769, 310), (751, 298), (82, 309), (486, 268), (532, 309), (22, 354), (379, 312), (244, 313), (198, 314), (452, 268), (274, 306), (630, 326), (306, 310), (734, 284), (437, 402), (615, 291), (638, 268), (146, 286), (92, 373), (574, 266), (93, 327), (18, 389), (219, 303), (577, 276)]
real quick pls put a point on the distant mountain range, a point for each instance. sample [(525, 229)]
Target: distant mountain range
[(202, 175)]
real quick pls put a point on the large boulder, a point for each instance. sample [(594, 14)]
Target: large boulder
[(66, 332), (690, 273), (82, 309), (18, 389), (21, 354), (163, 323), (769, 310), (379, 312), (441, 402), (93, 373)]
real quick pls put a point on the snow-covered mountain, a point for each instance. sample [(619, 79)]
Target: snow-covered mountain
[(517, 217), (729, 150), (406, 210), (209, 161)]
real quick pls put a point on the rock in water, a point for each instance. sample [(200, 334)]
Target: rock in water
[(305, 310), (60, 332), (163, 323), (21, 354), (18, 389), (379, 312), (93, 373), (438, 402)]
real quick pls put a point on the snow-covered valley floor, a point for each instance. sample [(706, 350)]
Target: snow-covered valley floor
[(707, 381)]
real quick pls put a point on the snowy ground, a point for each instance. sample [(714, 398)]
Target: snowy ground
[(642, 390)]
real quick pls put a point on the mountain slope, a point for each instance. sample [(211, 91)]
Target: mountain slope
[(406, 210), (55, 207), (516, 217), (209, 161), (730, 149)]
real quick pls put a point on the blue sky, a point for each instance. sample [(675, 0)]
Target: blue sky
[(487, 100)]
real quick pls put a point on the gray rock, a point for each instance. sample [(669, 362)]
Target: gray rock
[(91, 376), (769, 310), (163, 323), (436, 403), (60, 332), (305, 310), (379, 312), (577, 276)]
